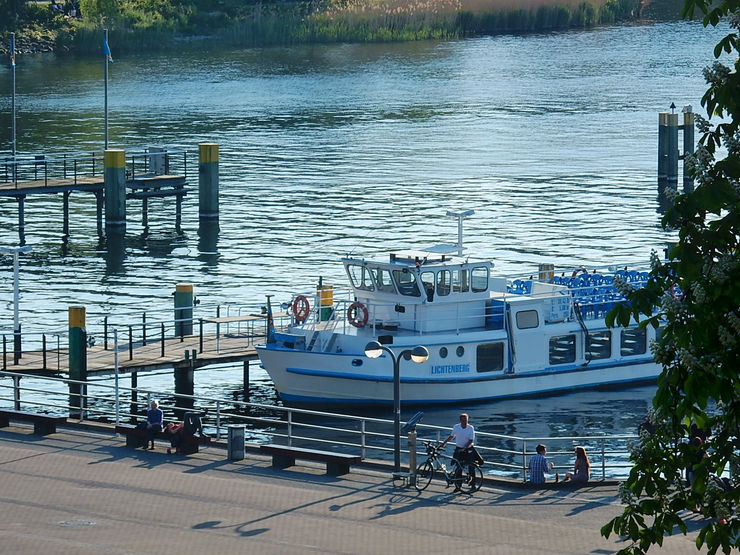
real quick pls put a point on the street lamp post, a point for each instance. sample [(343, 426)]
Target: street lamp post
[(15, 251), (418, 354)]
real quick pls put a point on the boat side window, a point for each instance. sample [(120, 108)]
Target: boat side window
[(427, 278), (526, 319), (479, 279), (490, 357), (460, 281), (460, 350), (360, 277), (443, 352), (443, 282), (599, 345), (562, 349), (634, 342), (383, 280), (406, 283)]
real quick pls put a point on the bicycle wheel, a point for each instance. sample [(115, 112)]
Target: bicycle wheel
[(424, 474), (474, 479)]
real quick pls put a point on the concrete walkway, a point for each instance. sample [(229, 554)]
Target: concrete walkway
[(81, 492)]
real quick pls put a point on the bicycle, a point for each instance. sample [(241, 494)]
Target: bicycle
[(469, 482)]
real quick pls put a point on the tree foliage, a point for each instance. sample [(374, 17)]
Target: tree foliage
[(697, 290)]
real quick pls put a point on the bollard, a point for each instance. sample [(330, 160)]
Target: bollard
[(208, 181), (183, 309), (77, 357), (236, 443), (115, 190)]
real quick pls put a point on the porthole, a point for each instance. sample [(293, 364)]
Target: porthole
[(443, 352), (460, 351)]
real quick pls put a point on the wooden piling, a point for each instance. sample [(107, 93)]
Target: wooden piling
[(22, 219), (65, 213), (672, 152), (115, 190), (246, 381), (688, 146), (208, 181)]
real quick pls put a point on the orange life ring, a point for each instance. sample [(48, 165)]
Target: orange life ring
[(353, 314), (301, 308)]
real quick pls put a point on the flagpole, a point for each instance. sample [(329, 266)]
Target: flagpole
[(12, 102), (105, 55)]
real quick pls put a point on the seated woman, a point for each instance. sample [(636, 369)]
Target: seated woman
[(154, 423), (582, 468)]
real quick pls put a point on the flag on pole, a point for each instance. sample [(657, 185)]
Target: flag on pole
[(106, 50)]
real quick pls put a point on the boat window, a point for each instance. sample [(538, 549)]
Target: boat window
[(443, 352), (599, 345), (490, 357), (383, 280), (427, 278), (460, 281), (634, 342), (406, 283), (360, 277), (479, 279), (460, 351), (526, 319), (562, 349), (443, 282)]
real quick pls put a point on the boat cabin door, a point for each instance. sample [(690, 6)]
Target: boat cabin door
[(527, 337)]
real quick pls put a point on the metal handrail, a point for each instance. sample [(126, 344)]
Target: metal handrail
[(367, 434)]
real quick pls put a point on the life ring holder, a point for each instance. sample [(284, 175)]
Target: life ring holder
[(301, 308), (358, 314), (676, 292)]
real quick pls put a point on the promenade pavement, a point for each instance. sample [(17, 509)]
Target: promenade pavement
[(79, 492)]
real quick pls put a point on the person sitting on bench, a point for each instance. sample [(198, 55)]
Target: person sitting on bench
[(154, 423)]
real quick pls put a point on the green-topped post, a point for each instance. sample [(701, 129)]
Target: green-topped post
[(208, 181), (115, 191), (77, 357)]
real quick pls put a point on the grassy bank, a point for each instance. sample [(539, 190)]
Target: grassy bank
[(157, 25)]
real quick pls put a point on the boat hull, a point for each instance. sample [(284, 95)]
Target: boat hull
[(319, 378)]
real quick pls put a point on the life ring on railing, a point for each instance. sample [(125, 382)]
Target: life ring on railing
[(301, 308), (357, 314)]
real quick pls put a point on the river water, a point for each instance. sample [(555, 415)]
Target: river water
[(329, 149)]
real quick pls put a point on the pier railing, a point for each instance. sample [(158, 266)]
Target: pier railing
[(110, 401)]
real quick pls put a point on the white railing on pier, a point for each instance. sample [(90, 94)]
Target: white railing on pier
[(108, 401)]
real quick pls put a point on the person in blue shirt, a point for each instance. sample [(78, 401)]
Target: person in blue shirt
[(539, 465), (154, 423)]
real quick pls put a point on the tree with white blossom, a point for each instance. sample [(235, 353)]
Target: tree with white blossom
[(697, 292)]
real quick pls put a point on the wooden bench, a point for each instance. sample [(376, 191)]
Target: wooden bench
[(137, 438), (284, 456), (43, 424)]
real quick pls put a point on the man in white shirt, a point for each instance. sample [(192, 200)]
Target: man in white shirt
[(464, 436)]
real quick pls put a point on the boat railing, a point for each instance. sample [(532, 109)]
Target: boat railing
[(109, 400)]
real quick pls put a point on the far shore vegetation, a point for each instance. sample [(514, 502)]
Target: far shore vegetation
[(156, 24)]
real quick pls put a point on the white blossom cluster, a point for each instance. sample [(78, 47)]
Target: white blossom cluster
[(732, 144), (655, 261), (721, 269), (663, 354), (733, 18), (622, 287), (671, 194), (734, 321), (717, 74), (698, 294), (702, 124), (671, 305), (726, 337)]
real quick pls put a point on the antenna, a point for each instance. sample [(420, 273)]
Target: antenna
[(460, 217)]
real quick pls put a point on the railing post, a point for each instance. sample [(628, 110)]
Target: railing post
[(524, 461), (17, 392), (130, 342), (218, 419), (105, 333), (200, 328), (43, 349), (5, 353), (603, 461), (162, 340), (75, 170), (290, 427), (143, 330), (362, 438)]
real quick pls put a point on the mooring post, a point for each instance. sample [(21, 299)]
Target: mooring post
[(115, 191), (22, 219), (65, 213), (16, 393), (145, 213), (246, 381), (77, 359), (99, 211), (662, 152), (183, 309), (134, 395), (184, 382), (672, 152), (688, 146), (208, 181)]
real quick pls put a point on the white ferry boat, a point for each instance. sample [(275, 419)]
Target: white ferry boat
[(488, 337)]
